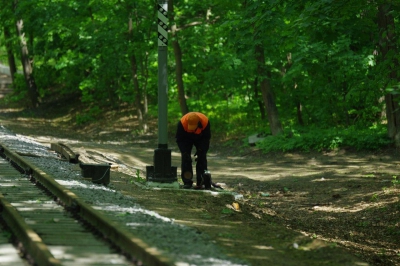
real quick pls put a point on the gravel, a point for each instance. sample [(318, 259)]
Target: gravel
[(184, 245)]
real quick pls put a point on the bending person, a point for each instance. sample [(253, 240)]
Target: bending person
[(194, 130)]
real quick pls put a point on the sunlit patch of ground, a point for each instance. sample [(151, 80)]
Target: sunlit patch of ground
[(349, 199)]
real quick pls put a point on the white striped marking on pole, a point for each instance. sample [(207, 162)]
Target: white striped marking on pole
[(162, 25)]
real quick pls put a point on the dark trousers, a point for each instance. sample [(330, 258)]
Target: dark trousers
[(186, 161)]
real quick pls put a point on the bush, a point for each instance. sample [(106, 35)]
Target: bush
[(89, 116), (327, 139)]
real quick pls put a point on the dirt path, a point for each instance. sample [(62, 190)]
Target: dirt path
[(338, 208)]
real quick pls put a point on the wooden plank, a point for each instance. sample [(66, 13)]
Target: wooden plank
[(65, 151)]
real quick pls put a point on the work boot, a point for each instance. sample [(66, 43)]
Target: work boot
[(187, 186), (207, 179), (198, 187)]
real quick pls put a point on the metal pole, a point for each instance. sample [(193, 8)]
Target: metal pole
[(162, 171), (162, 73)]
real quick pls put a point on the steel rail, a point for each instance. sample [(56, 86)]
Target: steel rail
[(30, 240), (125, 240)]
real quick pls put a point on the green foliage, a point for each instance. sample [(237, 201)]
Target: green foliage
[(89, 116), (3, 52), (227, 211), (139, 178), (6, 233), (322, 63), (374, 197), (395, 181), (327, 139), (20, 90)]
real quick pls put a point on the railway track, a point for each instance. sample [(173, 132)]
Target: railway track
[(58, 216), (53, 226)]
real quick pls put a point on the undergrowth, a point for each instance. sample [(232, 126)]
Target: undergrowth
[(314, 139)]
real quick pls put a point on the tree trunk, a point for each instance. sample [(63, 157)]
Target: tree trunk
[(136, 87), (299, 110), (145, 74), (10, 54), (178, 61), (26, 63), (267, 92), (261, 106), (387, 43)]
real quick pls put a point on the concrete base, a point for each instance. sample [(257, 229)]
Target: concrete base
[(162, 185)]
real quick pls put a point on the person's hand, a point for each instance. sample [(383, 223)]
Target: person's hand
[(198, 154)]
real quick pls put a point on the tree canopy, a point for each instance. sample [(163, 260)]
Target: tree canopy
[(252, 65)]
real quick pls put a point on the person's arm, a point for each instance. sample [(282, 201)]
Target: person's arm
[(207, 131), (180, 135), (206, 136)]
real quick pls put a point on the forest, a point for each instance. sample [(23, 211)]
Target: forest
[(310, 75)]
